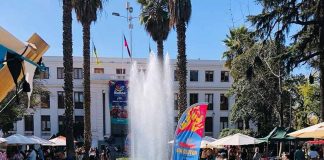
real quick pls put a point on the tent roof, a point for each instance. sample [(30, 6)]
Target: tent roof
[(18, 139), (279, 134), (236, 140)]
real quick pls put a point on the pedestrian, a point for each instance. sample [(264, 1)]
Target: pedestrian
[(204, 154), (40, 153), (31, 153), (3, 155), (312, 154), (92, 154), (17, 155), (244, 154), (299, 154), (257, 155), (103, 155)]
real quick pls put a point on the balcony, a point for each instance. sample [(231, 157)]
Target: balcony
[(46, 133), (109, 76), (29, 133)]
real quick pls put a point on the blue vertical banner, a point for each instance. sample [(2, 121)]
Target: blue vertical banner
[(118, 91), (189, 132)]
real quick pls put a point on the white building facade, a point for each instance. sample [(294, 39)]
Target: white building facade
[(208, 81)]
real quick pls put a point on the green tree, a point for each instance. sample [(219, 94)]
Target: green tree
[(155, 18), (309, 103), (180, 13), (11, 111), (278, 17), (86, 12), (255, 67), (68, 72)]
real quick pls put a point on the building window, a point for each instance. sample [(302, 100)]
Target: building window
[(193, 98), (78, 100), (141, 70), (223, 102), (77, 73), (29, 123), (175, 75), (78, 126), (13, 128), (209, 98), (46, 123), (209, 76), (99, 70), (193, 75), (224, 76), (60, 73), (42, 74), (176, 97), (223, 123), (61, 122), (209, 124), (120, 71), (45, 100), (240, 124), (60, 99)]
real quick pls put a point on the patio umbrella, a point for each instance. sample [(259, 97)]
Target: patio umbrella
[(236, 140), (206, 142), (315, 131), (58, 141), (316, 142), (2, 140), (40, 141), (18, 139)]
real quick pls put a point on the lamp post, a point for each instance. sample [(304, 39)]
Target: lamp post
[(129, 18), (104, 111)]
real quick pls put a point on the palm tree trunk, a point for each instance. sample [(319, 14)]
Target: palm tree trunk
[(182, 67), (68, 79), (321, 50), (160, 50), (86, 86)]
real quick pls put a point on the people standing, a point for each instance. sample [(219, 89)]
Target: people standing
[(312, 154), (299, 154), (31, 154), (244, 154), (257, 155), (204, 154)]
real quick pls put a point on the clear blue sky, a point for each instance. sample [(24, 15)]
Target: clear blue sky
[(210, 22)]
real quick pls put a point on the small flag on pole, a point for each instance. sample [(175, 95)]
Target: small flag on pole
[(95, 53), (126, 45)]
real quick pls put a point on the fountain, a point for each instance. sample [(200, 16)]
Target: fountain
[(151, 110)]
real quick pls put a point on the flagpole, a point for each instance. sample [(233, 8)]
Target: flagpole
[(122, 45)]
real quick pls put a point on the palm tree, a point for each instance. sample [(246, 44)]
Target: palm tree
[(180, 12), (86, 12), (68, 79), (155, 19), (238, 42)]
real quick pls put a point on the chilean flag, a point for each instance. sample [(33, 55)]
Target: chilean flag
[(126, 45)]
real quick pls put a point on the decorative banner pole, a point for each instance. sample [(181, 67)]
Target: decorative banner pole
[(189, 132)]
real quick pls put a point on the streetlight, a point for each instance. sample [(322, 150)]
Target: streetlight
[(129, 18)]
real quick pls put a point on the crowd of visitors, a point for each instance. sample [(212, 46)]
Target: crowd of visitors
[(238, 153), (52, 153)]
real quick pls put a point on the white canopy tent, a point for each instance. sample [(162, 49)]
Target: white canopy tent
[(205, 142), (18, 139), (236, 140), (40, 141), (2, 140)]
